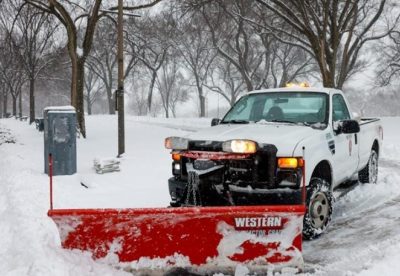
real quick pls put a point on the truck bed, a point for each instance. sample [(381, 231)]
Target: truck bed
[(370, 131)]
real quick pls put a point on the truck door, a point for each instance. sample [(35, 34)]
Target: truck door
[(346, 150)]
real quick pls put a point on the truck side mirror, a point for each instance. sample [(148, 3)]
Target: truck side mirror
[(350, 126), (215, 121)]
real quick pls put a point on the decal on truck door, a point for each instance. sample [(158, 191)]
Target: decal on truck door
[(331, 142), (331, 145)]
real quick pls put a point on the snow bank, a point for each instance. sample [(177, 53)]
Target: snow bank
[(29, 243)]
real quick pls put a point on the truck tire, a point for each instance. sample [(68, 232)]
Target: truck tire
[(319, 208), (370, 173)]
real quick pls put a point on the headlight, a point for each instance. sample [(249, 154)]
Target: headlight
[(239, 146), (176, 143)]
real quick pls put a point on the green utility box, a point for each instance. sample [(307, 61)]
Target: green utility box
[(60, 139)]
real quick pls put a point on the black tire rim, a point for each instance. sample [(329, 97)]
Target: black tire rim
[(319, 210)]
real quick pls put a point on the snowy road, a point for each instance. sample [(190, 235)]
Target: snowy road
[(364, 231), (363, 239)]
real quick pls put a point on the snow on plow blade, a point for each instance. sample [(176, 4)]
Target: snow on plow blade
[(222, 237)]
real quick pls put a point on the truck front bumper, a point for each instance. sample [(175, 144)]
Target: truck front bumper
[(243, 195)]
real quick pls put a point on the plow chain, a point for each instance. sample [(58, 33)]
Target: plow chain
[(192, 190)]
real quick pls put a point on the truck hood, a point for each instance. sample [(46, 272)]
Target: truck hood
[(285, 137)]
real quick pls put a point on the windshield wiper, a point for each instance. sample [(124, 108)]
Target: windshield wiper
[(291, 122), (316, 125), (235, 122), (282, 121), (307, 124)]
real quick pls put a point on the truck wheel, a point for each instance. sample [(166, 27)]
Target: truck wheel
[(370, 173), (319, 208)]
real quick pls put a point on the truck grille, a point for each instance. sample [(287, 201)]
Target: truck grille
[(205, 145)]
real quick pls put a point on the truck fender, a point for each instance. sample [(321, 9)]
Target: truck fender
[(323, 170)]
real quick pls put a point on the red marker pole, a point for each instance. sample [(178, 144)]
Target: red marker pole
[(51, 180), (304, 191), (304, 183)]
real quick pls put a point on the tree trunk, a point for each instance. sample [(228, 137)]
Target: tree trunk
[(151, 88), (77, 88), (88, 104), (327, 80), (202, 105), (74, 80), (249, 84), (1, 103), (5, 100), (232, 101), (167, 108), (110, 98), (31, 100), (284, 78), (342, 77), (202, 99), (109, 91), (79, 98), (14, 105), (20, 104)]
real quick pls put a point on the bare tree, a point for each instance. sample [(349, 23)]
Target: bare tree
[(103, 58), (193, 44), (232, 38), (93, 89), (257, 56), (3, 91), (226, 81), (12, 74), (3, 97), (170, 85), (138, 100), (333, 32), (102, 61), (248, 56), (152, 44), (138, 94), (389, 62), (36, 30), (74, 16), (290, 64)]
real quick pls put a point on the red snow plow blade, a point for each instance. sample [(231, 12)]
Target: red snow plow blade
[(201, 239), (222, 237)]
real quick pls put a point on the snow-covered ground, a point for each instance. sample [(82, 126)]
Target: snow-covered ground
[(364, 237)]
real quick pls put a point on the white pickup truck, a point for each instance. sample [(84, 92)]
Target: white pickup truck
[(257, 154)]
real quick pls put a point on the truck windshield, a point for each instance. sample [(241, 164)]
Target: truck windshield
[(288, 107)]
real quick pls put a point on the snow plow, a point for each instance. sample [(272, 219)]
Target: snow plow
[(195, 238)]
